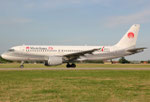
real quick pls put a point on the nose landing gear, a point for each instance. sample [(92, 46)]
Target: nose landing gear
[(22, 66), (71, 65)]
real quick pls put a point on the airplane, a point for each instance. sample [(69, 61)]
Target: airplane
[(57, 55)]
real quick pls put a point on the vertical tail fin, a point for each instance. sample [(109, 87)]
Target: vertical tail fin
[(130, 38)]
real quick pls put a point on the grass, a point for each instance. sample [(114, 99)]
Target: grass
[(75, 86), (16, 65)]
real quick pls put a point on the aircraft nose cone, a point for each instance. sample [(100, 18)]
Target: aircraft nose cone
[(4, 56)]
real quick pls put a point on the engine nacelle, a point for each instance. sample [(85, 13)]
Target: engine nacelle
[(53, 61)]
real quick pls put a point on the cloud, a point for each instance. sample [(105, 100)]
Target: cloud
[(15, 21), (139, 17)]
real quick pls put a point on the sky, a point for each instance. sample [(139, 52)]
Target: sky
[(73, 22)]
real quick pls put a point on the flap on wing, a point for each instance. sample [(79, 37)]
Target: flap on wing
[(78, 54), (136, 50)]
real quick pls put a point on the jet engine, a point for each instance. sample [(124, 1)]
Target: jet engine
[(53, 61)]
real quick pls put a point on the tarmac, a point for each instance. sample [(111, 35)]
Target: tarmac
[(19, 69)]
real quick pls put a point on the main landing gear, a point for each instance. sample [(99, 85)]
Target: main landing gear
[(71, 65), (22, 66), (111, 61)]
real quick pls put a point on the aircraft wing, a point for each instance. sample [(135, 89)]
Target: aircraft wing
[(74, 56), (136, 50)]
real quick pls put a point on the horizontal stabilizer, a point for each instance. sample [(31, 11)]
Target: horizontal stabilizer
[(137, 50)]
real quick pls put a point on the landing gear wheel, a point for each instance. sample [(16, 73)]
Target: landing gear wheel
[(73, 65), (21, 66), (70, 65)]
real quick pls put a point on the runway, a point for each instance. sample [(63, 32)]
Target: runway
[(20, 69)]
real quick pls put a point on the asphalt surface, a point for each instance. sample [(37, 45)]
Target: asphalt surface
[(1, 69)]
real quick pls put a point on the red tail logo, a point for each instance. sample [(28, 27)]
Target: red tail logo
[(131, 35)]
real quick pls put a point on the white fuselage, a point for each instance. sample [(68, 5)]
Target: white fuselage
[(42, 53)]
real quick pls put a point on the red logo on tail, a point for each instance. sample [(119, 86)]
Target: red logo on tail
[(131, 35)]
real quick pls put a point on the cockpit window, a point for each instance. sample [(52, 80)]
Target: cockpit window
[(11, 50)]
